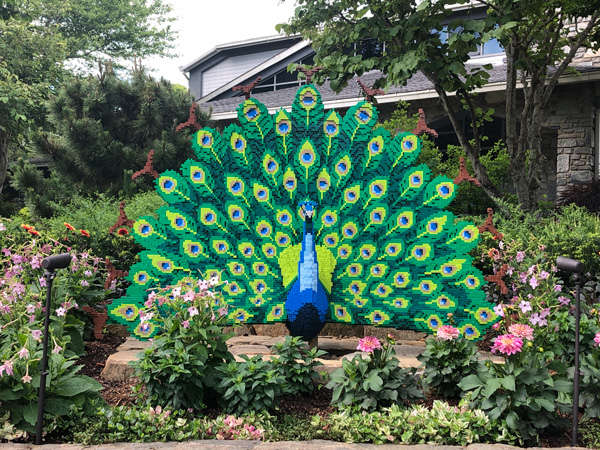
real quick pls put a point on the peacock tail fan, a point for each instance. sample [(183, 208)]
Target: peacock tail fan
[(312, 217)]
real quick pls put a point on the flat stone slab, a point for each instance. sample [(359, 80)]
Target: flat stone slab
[(254, 340), (117, 366), (250, 350), (132, 343)]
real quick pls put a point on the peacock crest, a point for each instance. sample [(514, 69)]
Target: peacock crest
[(312, 218)]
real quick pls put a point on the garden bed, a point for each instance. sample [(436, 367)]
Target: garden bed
[(293, 410)]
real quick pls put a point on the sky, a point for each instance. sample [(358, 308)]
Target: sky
[(204, 24)]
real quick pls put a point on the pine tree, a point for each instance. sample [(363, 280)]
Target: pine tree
[(104, 126)]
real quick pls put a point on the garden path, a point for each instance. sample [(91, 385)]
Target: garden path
[(117, 366)]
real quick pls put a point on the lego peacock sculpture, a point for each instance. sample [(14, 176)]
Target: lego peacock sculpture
[(312, 218)]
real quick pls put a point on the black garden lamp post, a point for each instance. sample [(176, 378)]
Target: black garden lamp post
[(574, 267), (50, 264)]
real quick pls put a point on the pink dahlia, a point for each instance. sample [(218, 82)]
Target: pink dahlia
[(507, 344), (521, 330), (368, 344), (447, 333), (597, 339)]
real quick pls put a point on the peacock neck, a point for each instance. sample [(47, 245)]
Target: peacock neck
[(308, 269)]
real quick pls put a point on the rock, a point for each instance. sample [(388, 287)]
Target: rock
[(272, 329), (133, 344), (254, 340), (399, 335), (250, 350), (340, 330), (337, 347), (116, 329), (117, 366)]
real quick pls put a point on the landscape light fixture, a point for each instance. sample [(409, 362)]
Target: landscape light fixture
[(51, 264), (574, 267)]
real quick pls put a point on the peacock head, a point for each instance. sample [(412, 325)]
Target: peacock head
[(309, 208)]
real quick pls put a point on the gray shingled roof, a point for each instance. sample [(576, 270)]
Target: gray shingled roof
[(285, 97), (418, 83)]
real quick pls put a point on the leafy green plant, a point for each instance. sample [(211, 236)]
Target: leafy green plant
[(8, 432), (296, 363), (374, 382), (448, 358), (590, 434), (22, 294), (180, 368), (442, 424), (250, 385), (524, 392)]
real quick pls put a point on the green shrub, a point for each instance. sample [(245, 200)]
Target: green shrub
[(442, 424), (590, 434), (567, 231), (250, 385), (375, 382), (296, 363), (447, 360), (180, 368)]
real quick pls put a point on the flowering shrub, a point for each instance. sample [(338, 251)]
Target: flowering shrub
[(180, 367), (375, 382), (448, 358), (22, 295), (230, 428)]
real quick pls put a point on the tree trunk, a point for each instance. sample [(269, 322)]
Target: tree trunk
[(4, 141), (471, 151)]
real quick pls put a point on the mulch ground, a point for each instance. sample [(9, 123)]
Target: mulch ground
[(120, 393)]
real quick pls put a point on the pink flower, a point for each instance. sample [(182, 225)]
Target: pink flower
[(61, 311), (57, 349), (496, 326), (499, 310), (597, 339), (564, 301), (447, 333), (544, 275), (193, 311), (368, 344), (42, 281), (525, 306), (84, 283), (185, 324), (537, 319), (533, 282), (521, 330), (8, 366), (23, 353), (507, 344), (557, 287), (188, 296), (26, 379), (30, 309), (36, 333), (520, 256), (2, 227)]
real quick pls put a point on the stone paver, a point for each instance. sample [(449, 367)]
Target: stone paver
[(255, 445)]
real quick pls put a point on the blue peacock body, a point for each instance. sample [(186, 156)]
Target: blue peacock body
[(312, 218)]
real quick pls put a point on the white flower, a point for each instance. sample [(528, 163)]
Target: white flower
[(61, 311)]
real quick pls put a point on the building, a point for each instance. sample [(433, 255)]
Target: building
[(571, 129)]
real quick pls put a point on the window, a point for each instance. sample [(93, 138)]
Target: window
[(490, 47)]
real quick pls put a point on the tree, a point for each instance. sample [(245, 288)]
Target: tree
[(411, 33), (40, 38), (104, 128)]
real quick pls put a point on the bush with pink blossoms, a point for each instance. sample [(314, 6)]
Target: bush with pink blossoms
[(22, 296), (375, 382), (447, 359), (180, 368)]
